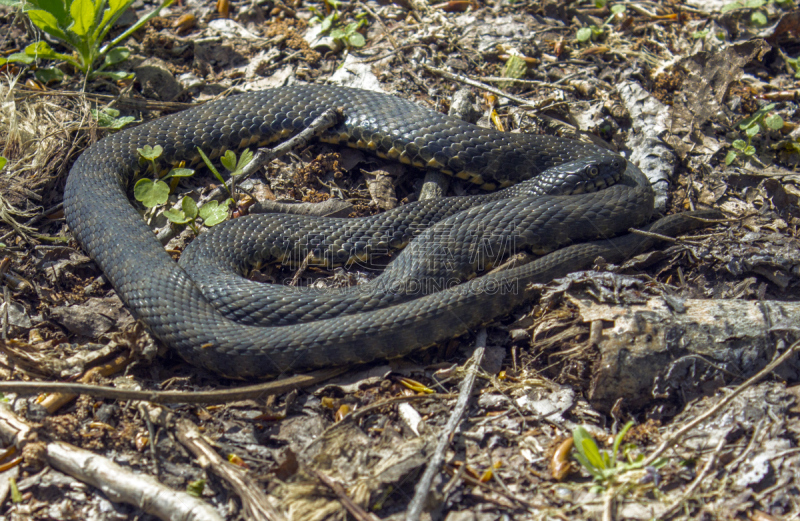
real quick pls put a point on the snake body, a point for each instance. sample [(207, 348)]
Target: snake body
[(175, 302)]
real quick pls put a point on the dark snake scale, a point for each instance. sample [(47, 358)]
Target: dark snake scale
[(228, 326)]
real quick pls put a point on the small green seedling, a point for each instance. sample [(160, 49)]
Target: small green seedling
[(109, 118), (794, 64), (594, 32), (155, 192), (228, 160), (515, 67), (604, 466), (757, 16), (195, 488), (752, 125), (82, 26), (3, 162), (211, 213), (348, 35)]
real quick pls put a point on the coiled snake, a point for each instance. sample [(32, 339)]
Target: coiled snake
[(173, 305)]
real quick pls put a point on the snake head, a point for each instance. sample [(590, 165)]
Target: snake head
[(584, 175)]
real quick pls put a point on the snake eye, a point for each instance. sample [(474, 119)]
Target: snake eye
[(593, 171)]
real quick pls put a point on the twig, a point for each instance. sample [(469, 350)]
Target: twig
[(672, 440), (264, 155), (377, 18), (488, 88), (697, 481), (608, 504), (220, 396), (658, 236), (117, 483), (139, 104), (255, 504), (437, 459), (356, 511), (547, 85)]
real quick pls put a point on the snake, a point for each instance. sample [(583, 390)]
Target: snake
[(212, 323)]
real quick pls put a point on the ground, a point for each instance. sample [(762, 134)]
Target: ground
[(693, 343)]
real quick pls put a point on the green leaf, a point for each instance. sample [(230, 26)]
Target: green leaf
[(3, 162), (586, 446), (151, 193), (83, 14), (588, 466), (207, 161), (49, 75), (115, 6), (195, 488), (116, 55), (176, 216), (47, 23), (116, 76), (731, 7), (515, 67), (618, 440), (584, 34), (753, 4), (109, 118), (16, 495), (244, 160), (57, 8), (12, 3), (43, 50), (774, 122), (730, 157), (228, 160), (189, 207), (20, 57), (749, 150), (326, 24), (592, 453), (356, 40), (739, 144), (179, 172), (618, 8), (150, 153), (700, 34), (337, 34), (752, 131), (758, 18), (213, 213)]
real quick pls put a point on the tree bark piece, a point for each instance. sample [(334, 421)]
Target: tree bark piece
[(663, 346)]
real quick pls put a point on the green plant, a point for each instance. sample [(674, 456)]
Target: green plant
[(594, 32), (195, 488), (82, 25), (604, 466), (752, 125), (757, 16), (109, 118), (211, 213), (348, 35), (794, 64), (228, 160), (155, 192)]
